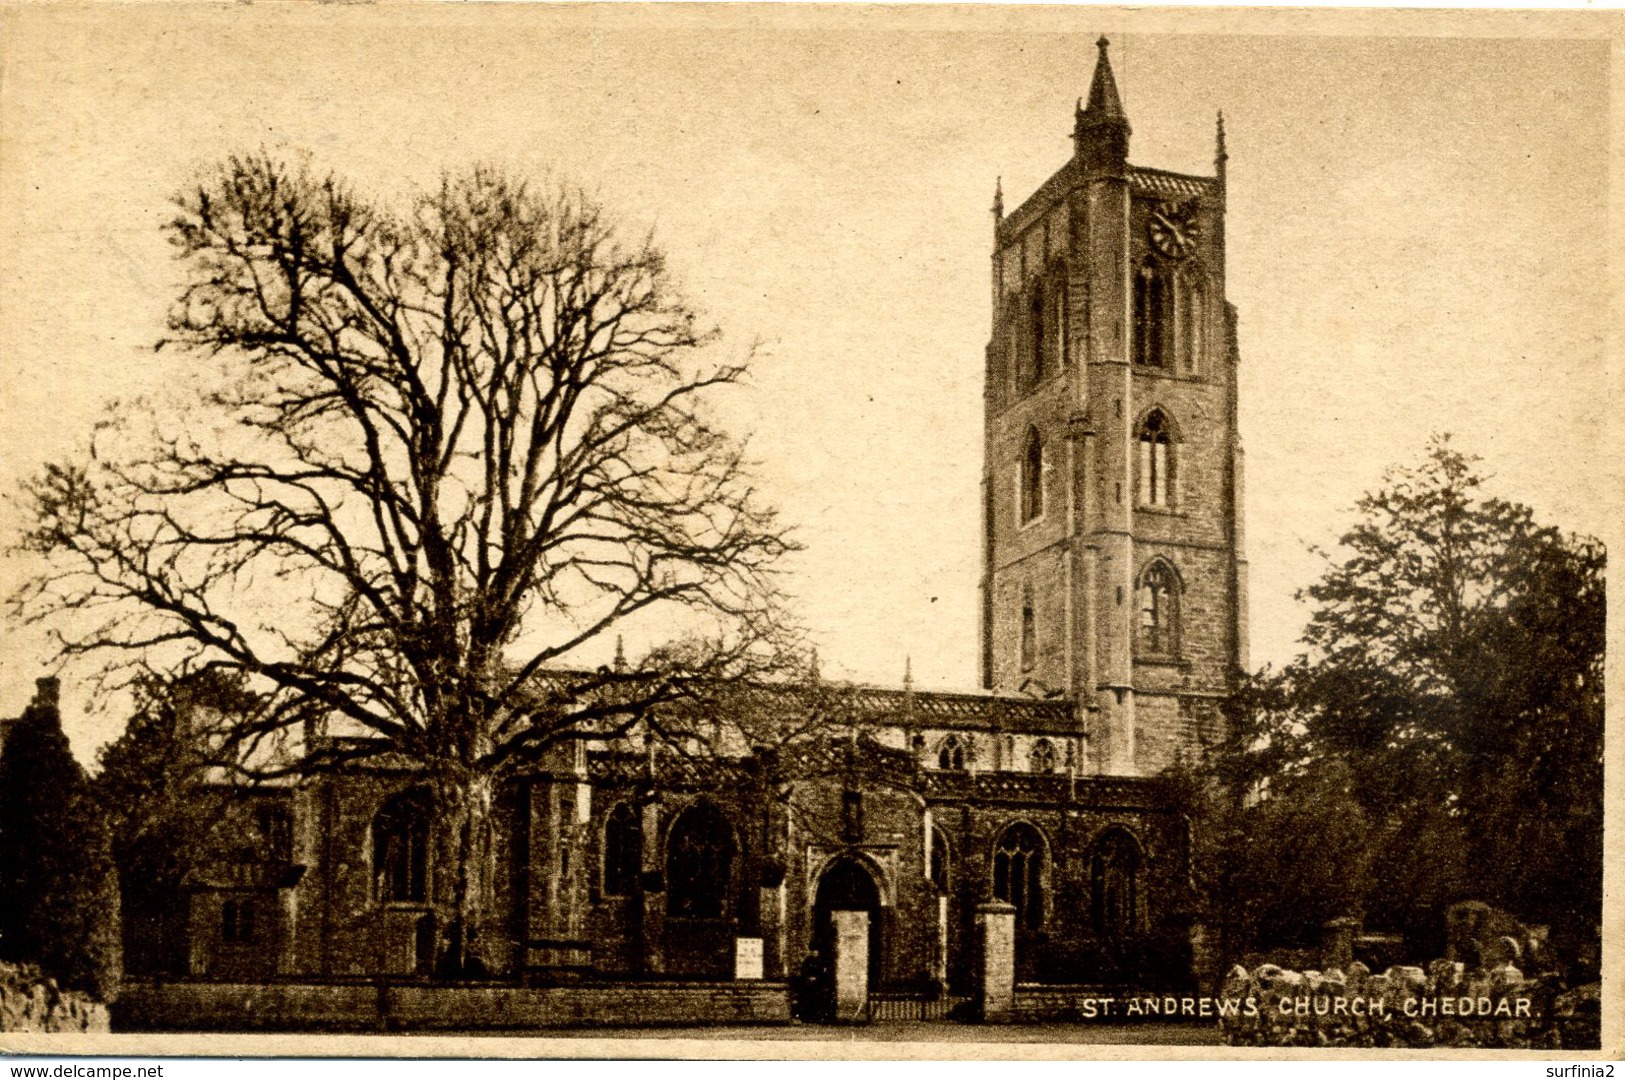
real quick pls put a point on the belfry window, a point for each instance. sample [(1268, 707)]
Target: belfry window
[(623, 850), (1159, 611), (951, 754), (1151, 316), (1156, 466), (1032, 477), (1018, 874), (1042, 758), (400, 849)]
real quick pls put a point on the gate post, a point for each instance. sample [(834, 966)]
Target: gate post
[(774, 965), (939, 953), (851, 966), (996, 979)]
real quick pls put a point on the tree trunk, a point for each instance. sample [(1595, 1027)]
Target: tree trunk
[(463, 891)]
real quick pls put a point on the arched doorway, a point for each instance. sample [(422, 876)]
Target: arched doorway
[(847, 885)]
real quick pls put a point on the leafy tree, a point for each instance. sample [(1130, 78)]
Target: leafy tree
[(58, 888), (166, 818), (443, 448), (1452, 688)]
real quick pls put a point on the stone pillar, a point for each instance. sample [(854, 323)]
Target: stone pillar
[(1337, 943), (996, 989), (773, 944), (1204, 959), (851, 966)]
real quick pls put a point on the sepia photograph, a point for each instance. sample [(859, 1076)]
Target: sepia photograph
[(817, 529)]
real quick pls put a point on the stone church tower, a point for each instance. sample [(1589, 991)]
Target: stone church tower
[(1113, 566)]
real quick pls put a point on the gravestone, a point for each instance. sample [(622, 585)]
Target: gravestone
[(1337, 942)]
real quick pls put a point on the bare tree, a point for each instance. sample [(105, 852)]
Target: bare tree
[(455, 443)]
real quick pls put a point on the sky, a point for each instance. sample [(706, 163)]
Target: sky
[(1416, 240)]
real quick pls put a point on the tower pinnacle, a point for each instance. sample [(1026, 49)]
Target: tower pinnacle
[(1101, 127), (1104, 104)]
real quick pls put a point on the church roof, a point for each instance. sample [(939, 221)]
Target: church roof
[(1169, 185), (949, 710)]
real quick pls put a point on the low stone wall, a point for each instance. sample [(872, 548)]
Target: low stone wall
[(1049, 1004), (1444, 1006), (287, 1006), (31, 1002)]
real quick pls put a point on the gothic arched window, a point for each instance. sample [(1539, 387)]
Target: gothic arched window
[(1152, 308), (623, 850), (1018, 873), (939, 866), (951, 754), (699, 864), (1042, 757), (1159, 610), (1029, 631), (400, 849), (1156, 463), (1114, 885), (1032, 477)]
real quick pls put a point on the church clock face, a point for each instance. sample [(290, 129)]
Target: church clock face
[(1173, 230)]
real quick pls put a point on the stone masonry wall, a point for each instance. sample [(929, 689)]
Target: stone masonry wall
[(31, 1002)]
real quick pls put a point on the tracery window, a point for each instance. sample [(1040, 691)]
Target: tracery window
[(1114, 885), (1018, 873), (623, 850), (1159, 610), (1153, 309), (400, 849), (1042, 757), (1156, 463), (699, 864), (951, 755), (275, 825)]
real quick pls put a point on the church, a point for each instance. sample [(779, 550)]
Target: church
[(1113, 623)]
